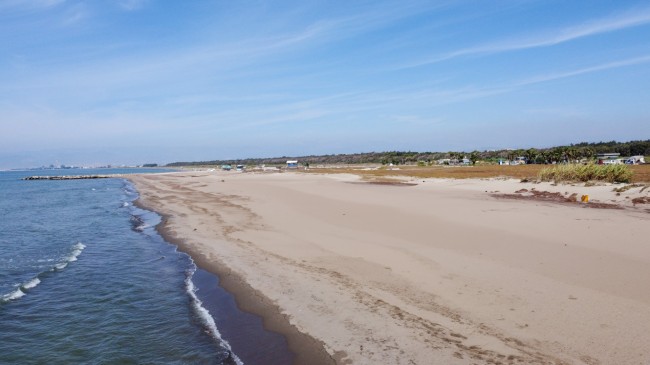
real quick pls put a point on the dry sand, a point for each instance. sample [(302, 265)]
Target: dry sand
[(436, 272)]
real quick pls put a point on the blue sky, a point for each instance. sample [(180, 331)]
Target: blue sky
[(136, 81)]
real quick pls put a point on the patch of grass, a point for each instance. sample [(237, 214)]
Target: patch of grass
[(437, 171), (571, 172), (529, 172), (641, 173)]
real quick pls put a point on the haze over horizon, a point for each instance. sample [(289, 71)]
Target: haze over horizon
[(138, 81)]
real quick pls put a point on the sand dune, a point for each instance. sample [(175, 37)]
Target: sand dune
[(435, 272)]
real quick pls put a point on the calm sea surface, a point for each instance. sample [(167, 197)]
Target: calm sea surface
[(85, 278)]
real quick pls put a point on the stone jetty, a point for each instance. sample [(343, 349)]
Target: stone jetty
[(70, 177)]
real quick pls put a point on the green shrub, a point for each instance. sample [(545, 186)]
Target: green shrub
[(571, 172)]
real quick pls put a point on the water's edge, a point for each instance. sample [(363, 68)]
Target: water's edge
[(255, 330)]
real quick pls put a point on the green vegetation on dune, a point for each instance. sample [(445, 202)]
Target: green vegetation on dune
[(590, 172)]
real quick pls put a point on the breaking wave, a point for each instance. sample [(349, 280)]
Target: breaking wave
[(23, 288), (205, 316), (13, 295), (76, 251), (32, 283)]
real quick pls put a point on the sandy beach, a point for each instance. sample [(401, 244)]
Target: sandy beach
[(427, 271)]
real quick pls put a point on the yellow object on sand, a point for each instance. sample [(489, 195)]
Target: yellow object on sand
[(585, 199)]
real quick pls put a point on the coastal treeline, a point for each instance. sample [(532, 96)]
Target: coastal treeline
[(583, 150)]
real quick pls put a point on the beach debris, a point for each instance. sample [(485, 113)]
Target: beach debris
[(641, 200), (554, 197)]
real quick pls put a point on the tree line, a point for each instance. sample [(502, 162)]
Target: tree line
[(573, 152)]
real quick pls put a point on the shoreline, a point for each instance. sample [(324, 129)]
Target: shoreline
[(304, 348), (433, 271)]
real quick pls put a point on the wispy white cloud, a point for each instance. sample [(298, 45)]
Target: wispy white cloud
[(463, 94), (337, 27), (604, 25), (585, 70), (288, 109), (132, 5), (443, 96), (152, 65)]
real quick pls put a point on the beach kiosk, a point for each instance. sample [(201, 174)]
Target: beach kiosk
[(292, 164)]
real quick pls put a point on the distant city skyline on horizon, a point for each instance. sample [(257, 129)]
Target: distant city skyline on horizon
[(129, 82)]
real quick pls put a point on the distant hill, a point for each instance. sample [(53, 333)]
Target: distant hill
[(533, 155)]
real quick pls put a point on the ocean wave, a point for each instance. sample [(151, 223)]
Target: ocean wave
[(21, 291), (32, 283), (76, 251), (129, 189), (205, 315), (12, 296)]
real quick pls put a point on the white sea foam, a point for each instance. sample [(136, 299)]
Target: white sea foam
[(76, 251), (13, 295), (20, 291), (205, 315), (32, 283)]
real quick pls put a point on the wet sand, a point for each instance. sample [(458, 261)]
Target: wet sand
[(429, 272), (302, 348)]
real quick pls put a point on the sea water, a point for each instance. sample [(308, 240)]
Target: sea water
[(85, 278)]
